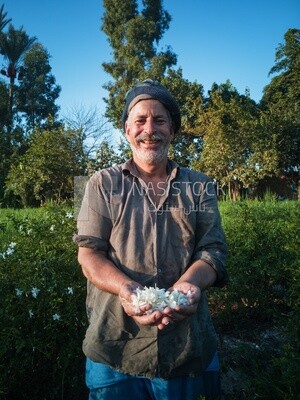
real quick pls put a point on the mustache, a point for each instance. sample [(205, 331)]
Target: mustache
[(154, 136)]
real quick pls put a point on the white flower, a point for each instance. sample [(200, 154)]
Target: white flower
[(10, 251), (158, 298), (69, 290), (29, 231), (69, 215), (19, 292), (177, 297), (2, 255), (52, 227), (30, 313), (20, 228), (35, 291), (56, 317)]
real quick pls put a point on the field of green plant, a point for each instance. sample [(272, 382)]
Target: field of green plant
[(42, 295)]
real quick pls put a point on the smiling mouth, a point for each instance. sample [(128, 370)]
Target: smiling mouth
[(150, 141)]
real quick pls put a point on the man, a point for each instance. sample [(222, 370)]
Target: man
[(150, 223)]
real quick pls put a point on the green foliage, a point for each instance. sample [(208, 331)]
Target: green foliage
[(281, 104), (37, 91), (46, 171), (264, 270), (42, 306), (5, 147), (189, 96), (4, 96), (3, 20), (134, 37), (236, 151), (42, 298), (185, 149), (263, 256), (105, 157), (13, 46)]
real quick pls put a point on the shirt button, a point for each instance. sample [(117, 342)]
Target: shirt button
[(159, 270)]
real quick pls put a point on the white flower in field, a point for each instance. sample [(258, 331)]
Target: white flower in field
[(35, 291), (10, 251), (21, 228), (69, 215), (56, 317), (12, 245), (52, 227), (2, 255), (19, 292), (69, 290), (30, 312)]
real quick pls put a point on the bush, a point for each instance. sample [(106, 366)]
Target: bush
[(42, 294), (263, 291), (42, 306)]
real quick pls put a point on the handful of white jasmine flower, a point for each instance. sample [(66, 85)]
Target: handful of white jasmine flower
[(159, 299)]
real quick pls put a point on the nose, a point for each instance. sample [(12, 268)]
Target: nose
[(149, 126)]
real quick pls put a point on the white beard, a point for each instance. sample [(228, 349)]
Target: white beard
[(150, 156)]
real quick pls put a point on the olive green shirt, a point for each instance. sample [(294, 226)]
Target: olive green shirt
[(153, 245)]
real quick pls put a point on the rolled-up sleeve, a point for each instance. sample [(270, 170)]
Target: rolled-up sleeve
[(93, 222)]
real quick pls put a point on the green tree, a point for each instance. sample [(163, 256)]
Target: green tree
[(13, 46), (235, 152), (281, 105), (124, 150), (46, 171), (4, 157), (134, 37), (37, 90), (3, 108), (187, 144), (105, 157), (3, 20)]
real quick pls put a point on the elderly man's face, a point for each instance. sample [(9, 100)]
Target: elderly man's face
[(149, 131)]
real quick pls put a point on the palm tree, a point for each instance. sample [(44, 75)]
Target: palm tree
[(13, 46), (3, 21)]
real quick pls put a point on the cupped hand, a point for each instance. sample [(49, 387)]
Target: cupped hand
[(140, 315), (156, 318), (180, 312), (126, 295)]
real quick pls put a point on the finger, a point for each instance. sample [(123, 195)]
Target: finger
[(166, 320), (149, 319)]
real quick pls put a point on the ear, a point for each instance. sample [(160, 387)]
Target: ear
[(127, 130)]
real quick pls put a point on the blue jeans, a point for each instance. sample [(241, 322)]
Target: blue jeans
[(106, 384)]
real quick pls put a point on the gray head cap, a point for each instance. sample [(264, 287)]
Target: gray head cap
[(149, 89)]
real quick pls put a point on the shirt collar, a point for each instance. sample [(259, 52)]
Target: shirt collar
[(129, 167)]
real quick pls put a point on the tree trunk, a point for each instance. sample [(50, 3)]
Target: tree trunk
[(10, 107)]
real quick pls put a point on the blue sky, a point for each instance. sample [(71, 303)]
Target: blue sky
[(214, 40)]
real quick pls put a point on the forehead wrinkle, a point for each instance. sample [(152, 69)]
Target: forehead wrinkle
[(144, 113)]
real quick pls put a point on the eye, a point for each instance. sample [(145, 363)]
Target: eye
[(161, 121), (140, 121)]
